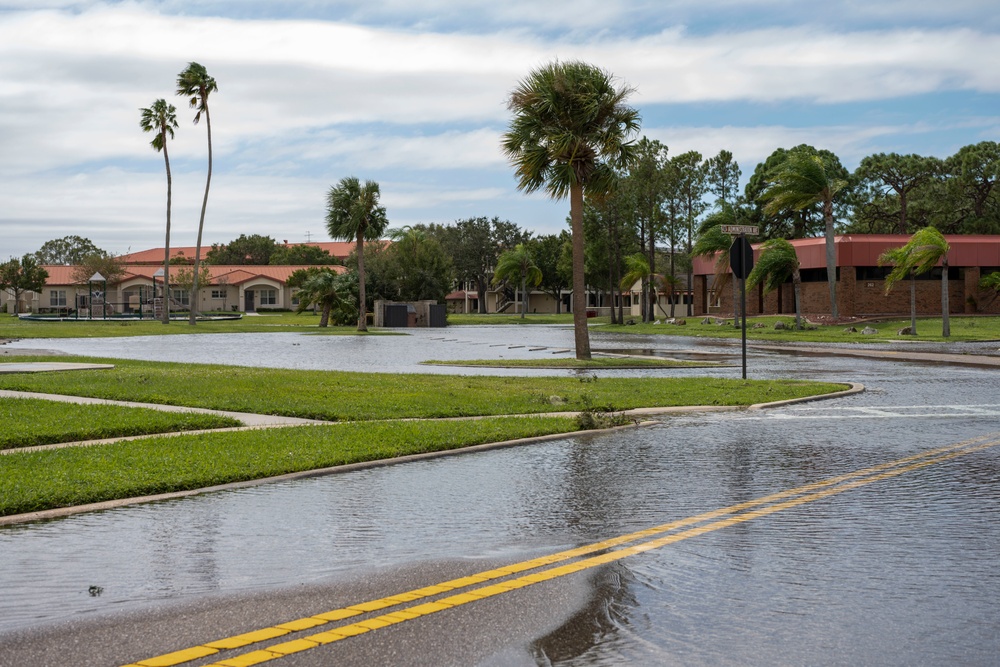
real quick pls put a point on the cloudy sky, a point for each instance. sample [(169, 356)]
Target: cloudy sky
[(411, 93)]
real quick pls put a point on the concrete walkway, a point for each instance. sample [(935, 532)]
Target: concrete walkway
[(48, 366), (889, 355), (247, 418)]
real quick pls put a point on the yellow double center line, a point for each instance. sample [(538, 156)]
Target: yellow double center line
[(605, 550)]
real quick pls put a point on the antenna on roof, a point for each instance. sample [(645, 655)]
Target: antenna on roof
[(308, 237)]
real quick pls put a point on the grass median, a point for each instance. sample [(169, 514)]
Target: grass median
[(350, 396), (34, 481), (29, 422)]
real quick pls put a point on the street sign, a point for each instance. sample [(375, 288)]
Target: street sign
[(752, 230), (741, 258)]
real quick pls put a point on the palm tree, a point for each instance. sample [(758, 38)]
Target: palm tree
[(353, 213), (803, 180), (162, 118), (777, 263), (518, 264), (195, 84), (327, 290), (570, 131), (895, 256), (637, 270), (921, 254), (713, 242)]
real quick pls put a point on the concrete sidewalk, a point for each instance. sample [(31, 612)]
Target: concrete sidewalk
[(889, 355), (248, 419)]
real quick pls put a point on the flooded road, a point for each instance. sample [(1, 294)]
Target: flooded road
[(901, 571)]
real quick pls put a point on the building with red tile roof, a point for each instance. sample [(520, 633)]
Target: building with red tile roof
[(861, 281)]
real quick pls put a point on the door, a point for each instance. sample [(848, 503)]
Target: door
[(248, 301)]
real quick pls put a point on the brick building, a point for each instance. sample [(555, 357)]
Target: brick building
[(860, 280)]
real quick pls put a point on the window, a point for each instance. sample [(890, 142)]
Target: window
[(268, 297), (57, 298), (295, 297), (181, 296), (817, 275), (218, 294)]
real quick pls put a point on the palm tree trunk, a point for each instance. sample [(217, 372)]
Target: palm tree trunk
[(524, 295), (481, 293), (690, 273), (580, 334), (673, 287), (831, 259), (796, 289), (945, 315), (362, 303), (166, 249), (652, 270), (324, 318), (201, 223)]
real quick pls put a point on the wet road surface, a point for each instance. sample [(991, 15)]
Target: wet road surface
[(899, 571)]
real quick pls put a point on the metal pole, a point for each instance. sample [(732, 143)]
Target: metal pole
[(743, 310)]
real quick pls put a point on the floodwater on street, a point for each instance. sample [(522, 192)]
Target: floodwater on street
[(901, 571)]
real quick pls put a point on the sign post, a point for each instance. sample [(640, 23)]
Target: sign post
[(741, 262)]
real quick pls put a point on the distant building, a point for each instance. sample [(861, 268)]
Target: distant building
[(861, 281), (230, 288)]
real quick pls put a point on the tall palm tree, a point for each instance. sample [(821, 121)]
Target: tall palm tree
[(803, 180), (327, 290), (571, 129), (195, 84), (777, 263), (162, 118), (518, 264), (353, 213), (921, 254)]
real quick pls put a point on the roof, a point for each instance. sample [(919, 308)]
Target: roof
[(219, 275), (338, 249), (864, 250)]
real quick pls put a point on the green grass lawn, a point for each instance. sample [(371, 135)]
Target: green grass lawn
[(505, 318), (13, 327), (33, 481), (346, 396), (28, 422), (978, 328)]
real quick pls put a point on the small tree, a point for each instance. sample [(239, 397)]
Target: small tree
[(18, 276), (895, 257), (109, 266), (67, 251), (518, 265), (991, 283), (921, 254), (332, 293), (778, 262), (713, 242), (184, 278)]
